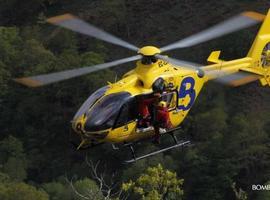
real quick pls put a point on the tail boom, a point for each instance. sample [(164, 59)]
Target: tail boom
[(255, 66)]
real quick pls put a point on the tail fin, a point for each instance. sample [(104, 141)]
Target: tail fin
[(260, 51)]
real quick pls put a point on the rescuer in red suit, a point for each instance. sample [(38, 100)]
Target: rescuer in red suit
[(161, 120), (144, 110)]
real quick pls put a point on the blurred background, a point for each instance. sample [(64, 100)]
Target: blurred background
[(230, 127)]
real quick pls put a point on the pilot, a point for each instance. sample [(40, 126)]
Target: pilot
[(161, 120)]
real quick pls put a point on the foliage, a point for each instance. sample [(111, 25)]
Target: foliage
[(156, 183), (228, 126), (12, 158), (239, 193), (10, 190), (263, 195), (87, 188), (58, 191)]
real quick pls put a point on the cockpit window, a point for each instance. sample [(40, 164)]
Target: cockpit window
[(90, 101), (128, 113), (103, 114)]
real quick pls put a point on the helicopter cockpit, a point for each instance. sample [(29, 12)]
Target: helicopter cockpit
[(100, 113), (106, 113), (90, 101)]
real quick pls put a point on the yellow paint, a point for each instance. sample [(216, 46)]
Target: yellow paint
[(149, 51), (127, 133), (140, 80), (214, 57)]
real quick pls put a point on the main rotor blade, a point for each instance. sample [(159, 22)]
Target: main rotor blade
[(181, 63), (75, 24), (244, 20), (40, 80), (237, 79), (220, 76)]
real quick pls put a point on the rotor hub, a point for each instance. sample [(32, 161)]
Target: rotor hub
[(149, 51)]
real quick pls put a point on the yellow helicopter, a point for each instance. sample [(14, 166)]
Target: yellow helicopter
[(113, 115)]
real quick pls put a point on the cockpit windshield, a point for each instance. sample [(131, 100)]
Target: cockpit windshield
[(90, 101), (103, 114)]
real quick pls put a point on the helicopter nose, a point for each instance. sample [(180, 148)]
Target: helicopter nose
[(78, 124), (81, 126)]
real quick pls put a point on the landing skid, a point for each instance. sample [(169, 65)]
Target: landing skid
[(155, 152), (83, 146), (176, 145)]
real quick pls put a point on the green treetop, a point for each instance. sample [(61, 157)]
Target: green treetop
[(156, 183)]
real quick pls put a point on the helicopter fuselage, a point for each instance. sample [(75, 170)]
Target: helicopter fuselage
[(117, 105)]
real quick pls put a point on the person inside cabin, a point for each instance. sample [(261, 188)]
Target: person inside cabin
[(153, 112), (146, 105), (145, 111), (161, 120)]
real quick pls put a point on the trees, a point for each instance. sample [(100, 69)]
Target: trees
[(63, 189), (156, 183), (229, 127), (87, 189), (10, 190), (24, 54), (263, 195), (12, 158), (58, 190), (22, 191)]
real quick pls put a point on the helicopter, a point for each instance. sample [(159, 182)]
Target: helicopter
[(112, 114)]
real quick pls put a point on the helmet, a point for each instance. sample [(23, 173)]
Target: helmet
[(159, 85), (162, 104)]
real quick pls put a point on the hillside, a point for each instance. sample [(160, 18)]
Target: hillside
[(228, 126)]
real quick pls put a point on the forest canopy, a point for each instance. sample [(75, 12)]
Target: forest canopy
[(228, 126)]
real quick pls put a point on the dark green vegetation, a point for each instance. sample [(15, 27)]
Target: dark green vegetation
[(229, 126)]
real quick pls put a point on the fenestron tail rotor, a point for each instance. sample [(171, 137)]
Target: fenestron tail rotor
[(75, 24), (265, 57), (233, 24), (40, 80)]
